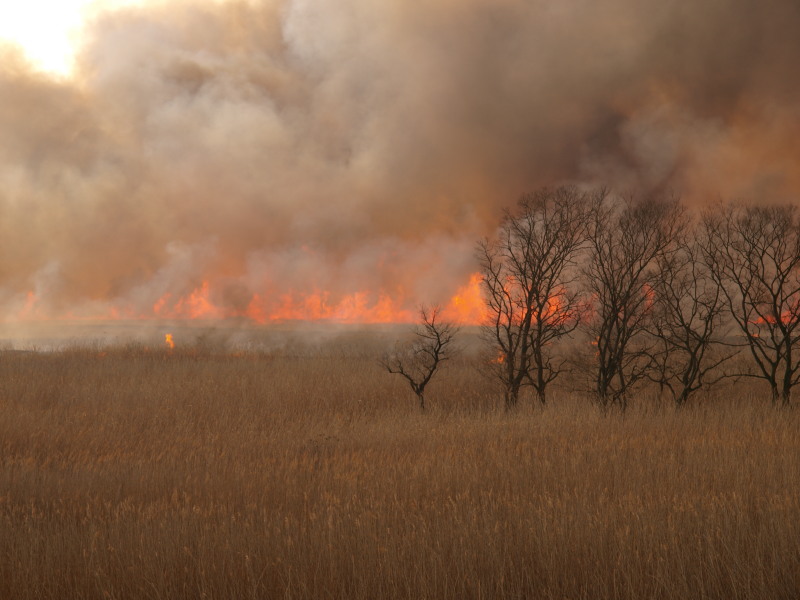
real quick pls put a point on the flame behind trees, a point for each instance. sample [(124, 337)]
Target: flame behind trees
[(656, 291), (753, 253), (530, 284), (625, 239)]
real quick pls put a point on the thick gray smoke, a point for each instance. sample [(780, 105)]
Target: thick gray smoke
[(283, 147)]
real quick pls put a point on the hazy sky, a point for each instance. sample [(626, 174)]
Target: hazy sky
[(290, 146), (49, 31)]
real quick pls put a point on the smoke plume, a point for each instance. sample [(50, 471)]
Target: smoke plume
[(281, 148)]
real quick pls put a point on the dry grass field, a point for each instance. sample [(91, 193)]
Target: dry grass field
[(135, 473)]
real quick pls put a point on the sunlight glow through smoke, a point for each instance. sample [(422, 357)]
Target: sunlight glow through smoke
[(49, 31)]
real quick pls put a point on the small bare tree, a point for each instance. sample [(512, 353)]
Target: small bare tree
[(688, 321), (754, 254), (625, 239), (529, 274), (419, 359)]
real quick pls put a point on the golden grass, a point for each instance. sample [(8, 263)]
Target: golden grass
[(143, 474)]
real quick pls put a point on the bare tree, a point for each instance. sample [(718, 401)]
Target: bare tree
[(529, 274), (418, 360), (688, 320), (754, 254), (625, 239)]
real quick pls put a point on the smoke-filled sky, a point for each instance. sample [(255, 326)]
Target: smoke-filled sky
[(282, 147)]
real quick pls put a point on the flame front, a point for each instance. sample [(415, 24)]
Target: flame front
[(207, 302), (169, 341), (466, 306)]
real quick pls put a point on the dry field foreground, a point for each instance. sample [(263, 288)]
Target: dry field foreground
[(143, 474)]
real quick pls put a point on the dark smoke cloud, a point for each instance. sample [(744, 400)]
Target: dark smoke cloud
[(296, 145)]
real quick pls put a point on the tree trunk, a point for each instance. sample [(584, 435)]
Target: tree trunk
[(541, 383), (511, 396), (602, 388), (786, 396), (681, 399), (540, 394)]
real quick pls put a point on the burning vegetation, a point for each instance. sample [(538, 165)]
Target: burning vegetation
[(259, 162), (620, 291), (624, 290), (612, 291), (269, 160)]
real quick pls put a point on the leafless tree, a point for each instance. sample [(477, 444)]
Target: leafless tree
[(688, 321), (626, 236), (529, 274), (418, 360), (754, 254)]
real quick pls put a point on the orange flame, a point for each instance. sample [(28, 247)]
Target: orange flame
[(466, 307), (358, 307), (170, 343), (786, 317), (196, 305), (30, 305)]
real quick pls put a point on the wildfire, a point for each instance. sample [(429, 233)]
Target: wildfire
[(197, 305), (786, 317), (169, 341), (467, 306), (358, 307), (206, 301), (29, 309)]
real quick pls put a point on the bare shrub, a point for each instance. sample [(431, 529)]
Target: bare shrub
[(418, 360)]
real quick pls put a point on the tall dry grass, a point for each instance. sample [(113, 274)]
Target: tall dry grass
[(141, 474)]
